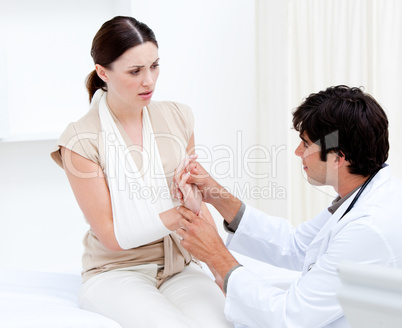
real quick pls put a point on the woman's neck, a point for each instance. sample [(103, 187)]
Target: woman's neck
[(125, 113)]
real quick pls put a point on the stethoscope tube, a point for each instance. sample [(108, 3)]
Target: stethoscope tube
[(358, 194)]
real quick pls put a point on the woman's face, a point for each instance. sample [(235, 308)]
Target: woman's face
[(131, 79)]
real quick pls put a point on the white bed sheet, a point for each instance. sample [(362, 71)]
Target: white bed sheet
[(32, 299)]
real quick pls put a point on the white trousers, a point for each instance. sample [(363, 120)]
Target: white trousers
[(189, 299)]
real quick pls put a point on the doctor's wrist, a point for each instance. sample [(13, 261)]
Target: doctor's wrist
[(227, 205)]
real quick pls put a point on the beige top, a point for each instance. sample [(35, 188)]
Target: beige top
[(172, 124)]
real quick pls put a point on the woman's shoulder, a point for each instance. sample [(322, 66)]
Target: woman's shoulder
[(89, 123), (170, 108), (81, 137), (173, 113)]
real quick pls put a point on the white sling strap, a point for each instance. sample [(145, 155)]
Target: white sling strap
[(135, 213)]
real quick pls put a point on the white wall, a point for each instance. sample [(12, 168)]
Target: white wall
[(274, 121), (228, 59), (334, 42), (44, 59), (41, 225), (207, 51)]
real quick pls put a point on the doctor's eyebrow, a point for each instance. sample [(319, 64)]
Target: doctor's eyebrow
[(302, 138)]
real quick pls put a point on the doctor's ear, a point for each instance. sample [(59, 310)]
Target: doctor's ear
[(340, 157), (101, 71)]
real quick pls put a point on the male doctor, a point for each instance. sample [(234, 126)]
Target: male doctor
[(344, 144)]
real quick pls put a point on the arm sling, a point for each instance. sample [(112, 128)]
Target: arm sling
[(135, 215)]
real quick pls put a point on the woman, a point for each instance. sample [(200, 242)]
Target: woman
[(119, 159)]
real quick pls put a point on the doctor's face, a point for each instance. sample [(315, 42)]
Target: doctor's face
[(131, 79), (315, 168)]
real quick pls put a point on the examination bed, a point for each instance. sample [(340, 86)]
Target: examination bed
[(34, 299)]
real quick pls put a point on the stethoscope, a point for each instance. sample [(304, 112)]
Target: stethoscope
[(358, 194)]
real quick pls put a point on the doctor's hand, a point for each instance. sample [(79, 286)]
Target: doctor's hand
[(211, 191), (202, 240)]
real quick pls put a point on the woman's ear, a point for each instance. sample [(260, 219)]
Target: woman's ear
[(101, 71)]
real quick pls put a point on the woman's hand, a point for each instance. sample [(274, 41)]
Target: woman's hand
[(192, 198), (187, 194), (171, 218)]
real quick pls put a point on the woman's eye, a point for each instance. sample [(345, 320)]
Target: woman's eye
[(155, 65), (135, 72)]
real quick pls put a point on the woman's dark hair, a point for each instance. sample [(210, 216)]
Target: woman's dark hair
[(349, 122), (111, 41)]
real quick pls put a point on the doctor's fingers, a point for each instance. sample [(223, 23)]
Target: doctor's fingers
[(181, 232), (184, 166), (187, 214), (189, 231), (183, 183), (199, 176), (184, 224), (186, 229), (192, 167)]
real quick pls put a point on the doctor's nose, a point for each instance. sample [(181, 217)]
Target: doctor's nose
[(299, 150)]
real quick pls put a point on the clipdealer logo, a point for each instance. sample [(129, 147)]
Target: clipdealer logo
[(221, 161)]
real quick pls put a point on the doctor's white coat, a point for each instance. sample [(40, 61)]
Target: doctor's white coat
[(370, 233)]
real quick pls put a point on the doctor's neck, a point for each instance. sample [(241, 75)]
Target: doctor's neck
[(349, 183)]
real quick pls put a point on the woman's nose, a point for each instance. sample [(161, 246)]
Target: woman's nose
[(148, 79)]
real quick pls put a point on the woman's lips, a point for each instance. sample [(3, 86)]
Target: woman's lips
[(146, 95)]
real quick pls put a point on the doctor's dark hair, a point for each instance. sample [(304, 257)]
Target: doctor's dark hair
[(114, 38), (348, 122)]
